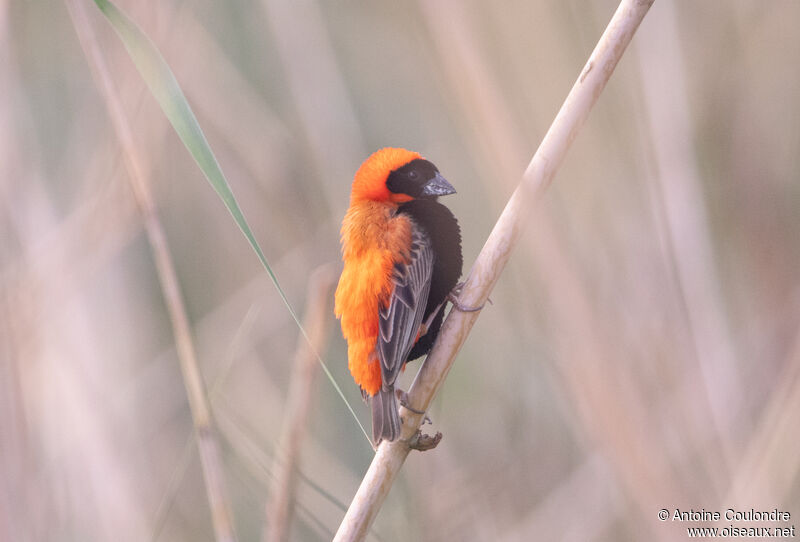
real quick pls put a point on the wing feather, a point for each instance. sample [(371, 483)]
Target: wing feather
[(399, 322)]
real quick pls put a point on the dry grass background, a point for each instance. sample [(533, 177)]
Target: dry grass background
[(643, 349)]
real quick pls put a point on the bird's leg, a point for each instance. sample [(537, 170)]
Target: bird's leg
[(402, 398), (453, 298), (419, 441), (423, 327)]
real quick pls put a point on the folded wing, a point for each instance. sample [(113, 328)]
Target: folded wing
[(400, 320)]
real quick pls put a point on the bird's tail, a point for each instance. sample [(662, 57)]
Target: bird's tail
[(385, 419)]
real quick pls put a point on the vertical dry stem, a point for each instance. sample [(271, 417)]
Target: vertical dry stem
[(687, 233), (198, 401), (490, 262), (317, 323), (768, 469), (327, 116)]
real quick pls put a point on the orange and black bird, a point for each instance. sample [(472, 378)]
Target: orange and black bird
[(402, 257)]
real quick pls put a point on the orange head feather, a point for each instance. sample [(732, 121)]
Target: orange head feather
[(369, 183)]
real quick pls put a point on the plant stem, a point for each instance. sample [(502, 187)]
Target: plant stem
[(317, 321), (207, 443), (490, 262)]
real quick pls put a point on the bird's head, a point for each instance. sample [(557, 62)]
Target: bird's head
[(395, 176)]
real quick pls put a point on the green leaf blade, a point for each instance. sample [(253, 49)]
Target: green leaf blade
[(165, 89)]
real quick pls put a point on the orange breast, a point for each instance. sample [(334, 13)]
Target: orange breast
[(373, 239)]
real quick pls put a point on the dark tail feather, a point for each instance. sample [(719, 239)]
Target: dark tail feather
[(385, 419)]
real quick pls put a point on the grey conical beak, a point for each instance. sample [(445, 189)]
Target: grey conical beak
[(438, 186)]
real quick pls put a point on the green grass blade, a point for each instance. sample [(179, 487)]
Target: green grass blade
[(167, 92)]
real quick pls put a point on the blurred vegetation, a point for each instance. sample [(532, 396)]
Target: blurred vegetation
[(643, 348)]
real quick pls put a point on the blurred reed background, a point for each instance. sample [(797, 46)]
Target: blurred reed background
[(643, 348)]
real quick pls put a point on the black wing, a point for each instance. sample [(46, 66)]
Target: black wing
[(399, 322)]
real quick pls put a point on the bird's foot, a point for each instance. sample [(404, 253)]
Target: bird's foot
[(419, 441), (402, 398), (453, 298)]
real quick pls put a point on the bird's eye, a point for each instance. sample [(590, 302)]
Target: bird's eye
[(412, 175)]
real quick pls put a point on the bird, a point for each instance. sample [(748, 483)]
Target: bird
[(402, 257)]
